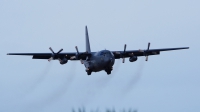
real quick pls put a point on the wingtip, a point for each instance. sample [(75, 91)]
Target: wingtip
[(8, 54), (186, 47)]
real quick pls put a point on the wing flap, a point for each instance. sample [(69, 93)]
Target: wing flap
[(40, 57)]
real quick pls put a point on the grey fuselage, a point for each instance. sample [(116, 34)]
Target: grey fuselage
[(102, 60)]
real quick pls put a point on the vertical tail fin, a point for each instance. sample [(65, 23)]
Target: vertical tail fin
[(87, 40)]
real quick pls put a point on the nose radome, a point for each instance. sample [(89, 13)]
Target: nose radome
[(106, 59), (111, 60)]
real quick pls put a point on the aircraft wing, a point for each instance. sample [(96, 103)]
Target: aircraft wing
[(69, 56), (130, 53)]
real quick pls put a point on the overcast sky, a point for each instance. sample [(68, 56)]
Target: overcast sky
[(168, 82)]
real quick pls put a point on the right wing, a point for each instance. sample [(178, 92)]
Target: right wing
[(130, 53)]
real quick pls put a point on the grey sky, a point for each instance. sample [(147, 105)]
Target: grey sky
[(166, 83)]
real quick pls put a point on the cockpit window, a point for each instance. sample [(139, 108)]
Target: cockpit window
[(104, 53), (101, 53)]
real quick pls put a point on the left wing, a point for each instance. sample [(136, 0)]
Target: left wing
[(52, 56), (69, 56)]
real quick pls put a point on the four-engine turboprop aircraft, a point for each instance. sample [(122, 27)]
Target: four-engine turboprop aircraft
[(97, 61)]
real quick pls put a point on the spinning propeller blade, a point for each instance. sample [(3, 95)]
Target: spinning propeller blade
[(54, 54), (77, 50), (51, 50), (124, 53), (59, 51), (77, 56), (50, 59), (147, 52)]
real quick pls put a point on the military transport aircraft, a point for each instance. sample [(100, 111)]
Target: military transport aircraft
[(97, 61)]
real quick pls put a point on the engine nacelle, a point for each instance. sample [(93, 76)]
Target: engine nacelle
[(63, 61), (132, 59)]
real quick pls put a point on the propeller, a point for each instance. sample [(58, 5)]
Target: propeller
[(124, 54), (77, 50), (146, 51), (54, 54), (77, 56)]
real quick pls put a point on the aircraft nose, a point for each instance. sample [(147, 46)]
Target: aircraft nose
[(109, 60)]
